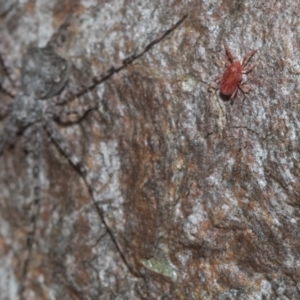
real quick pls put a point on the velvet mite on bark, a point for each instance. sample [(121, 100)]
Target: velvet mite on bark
[(231, 80)]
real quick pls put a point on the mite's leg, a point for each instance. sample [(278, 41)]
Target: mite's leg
[(215, 84), (229, 54), (249, 69), (244, 88), (248, 57), (232, 97)]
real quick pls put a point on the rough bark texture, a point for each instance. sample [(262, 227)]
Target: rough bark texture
[(202, 197)]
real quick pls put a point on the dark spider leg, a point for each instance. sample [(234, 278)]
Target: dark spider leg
[(36, 205), (59, 35), (115, 69), (3, 140), (73, 116), (78, 165), (11, 76), (5, 110), (8, 135), (8, 91), (64, 115)]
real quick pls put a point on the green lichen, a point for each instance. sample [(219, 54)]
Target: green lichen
[(188, 83), (161, 265)]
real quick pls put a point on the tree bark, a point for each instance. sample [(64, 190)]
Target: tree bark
[(186, 195)]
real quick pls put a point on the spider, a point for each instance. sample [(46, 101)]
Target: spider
[(231, 80), (39, 105)]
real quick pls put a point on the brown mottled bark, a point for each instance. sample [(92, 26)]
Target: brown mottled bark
[(201, 197)]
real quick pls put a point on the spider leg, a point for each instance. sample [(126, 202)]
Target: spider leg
[(67, 96), (11, 76), (59, 35), (8, 135), (63, 146), (117, 68), (65, 115), (5, 110), (8, 91), (35, 148)]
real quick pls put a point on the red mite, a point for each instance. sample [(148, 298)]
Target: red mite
[(231, 79)]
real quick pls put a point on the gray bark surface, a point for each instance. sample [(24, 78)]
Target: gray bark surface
[(199, 198)]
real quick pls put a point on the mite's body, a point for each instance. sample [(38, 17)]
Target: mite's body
[(231, 80)]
